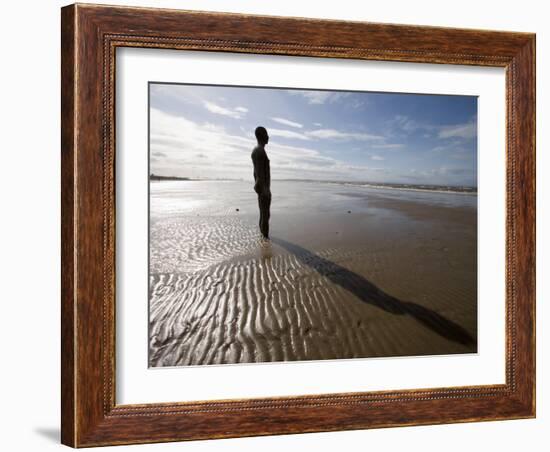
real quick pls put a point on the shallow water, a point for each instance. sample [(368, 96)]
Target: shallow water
[(224, 197)]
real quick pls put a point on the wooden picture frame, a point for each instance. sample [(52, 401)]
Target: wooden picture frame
[(90, 36)]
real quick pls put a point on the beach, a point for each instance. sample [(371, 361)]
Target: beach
[(351, 271)]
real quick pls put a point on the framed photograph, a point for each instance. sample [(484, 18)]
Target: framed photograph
[(282, 225)]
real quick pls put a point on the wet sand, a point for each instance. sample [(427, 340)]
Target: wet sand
[(349, 272)]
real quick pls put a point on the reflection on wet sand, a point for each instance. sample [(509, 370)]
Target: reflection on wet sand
[(395, 279), (369, 293)]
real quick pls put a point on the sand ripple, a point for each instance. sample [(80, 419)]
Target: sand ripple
[(196, 243), (297, 306)]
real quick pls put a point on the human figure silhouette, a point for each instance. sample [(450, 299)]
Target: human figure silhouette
[(262, 178)]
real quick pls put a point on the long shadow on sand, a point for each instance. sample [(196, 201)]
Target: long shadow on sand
[(371, 294)]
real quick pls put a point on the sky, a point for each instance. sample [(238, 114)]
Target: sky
[(207, 132)]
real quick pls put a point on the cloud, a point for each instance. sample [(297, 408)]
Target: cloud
[(444, 175), (444, 171), (468, 130), (197, 133), (464, 131), (320, 97), (324, 134), (456, 149), (287, 134), (286, 122), (236, 113), (182, 140), (182, 93), (407, 124), (448, 146), (387, 145), (203, 150), (339, 135)]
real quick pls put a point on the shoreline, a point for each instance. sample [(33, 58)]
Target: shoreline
[(462, 190)]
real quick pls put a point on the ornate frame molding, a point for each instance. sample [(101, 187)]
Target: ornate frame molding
[(90, 37)]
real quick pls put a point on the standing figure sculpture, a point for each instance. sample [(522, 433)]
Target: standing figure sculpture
[(262, 179)]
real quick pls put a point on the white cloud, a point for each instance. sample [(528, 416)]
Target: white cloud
[(448, 146), (236, 113), (387, 145), (287, 122), (287, 134), (468, 130), (203, 150), (181, 93), (456, 151), (452, 143), (339, 135), (464, 131), (377, 157), (326, 134), (320, 97), (180, 140), (407, 124)]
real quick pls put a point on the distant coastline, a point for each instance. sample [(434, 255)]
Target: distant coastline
[(159, 178), (463, 189), (416, 187)]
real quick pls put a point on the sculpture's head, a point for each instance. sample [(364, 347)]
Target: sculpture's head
[(261, 135)]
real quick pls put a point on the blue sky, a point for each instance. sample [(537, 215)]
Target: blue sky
[(208, 132)]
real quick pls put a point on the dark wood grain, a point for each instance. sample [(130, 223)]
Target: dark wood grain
[(90, 36), (67, 226)]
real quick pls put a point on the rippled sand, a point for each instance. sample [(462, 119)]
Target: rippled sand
[(350, 273)]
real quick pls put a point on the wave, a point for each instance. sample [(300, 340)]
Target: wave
[(419, 188)]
